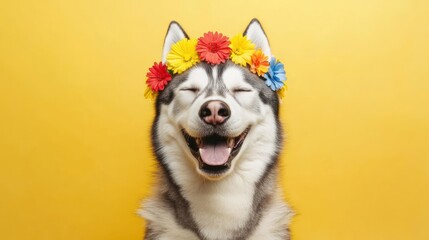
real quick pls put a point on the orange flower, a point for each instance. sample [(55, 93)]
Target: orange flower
[(259, 63)]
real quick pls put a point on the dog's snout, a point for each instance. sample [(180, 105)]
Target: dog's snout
[(214, 112)]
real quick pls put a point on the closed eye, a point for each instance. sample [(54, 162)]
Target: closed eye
[(190, 89), (238, 90)]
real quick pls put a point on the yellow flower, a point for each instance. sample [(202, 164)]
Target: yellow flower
[(241, 49), (150, 94), (182, 55), (282, 91)]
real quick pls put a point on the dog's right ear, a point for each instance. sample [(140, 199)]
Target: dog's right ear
[(175, 33), (256, 34)]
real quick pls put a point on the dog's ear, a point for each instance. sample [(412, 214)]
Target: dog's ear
[(175, 33), (256, 34)]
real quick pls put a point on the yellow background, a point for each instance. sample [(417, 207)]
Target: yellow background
[(74, 126)]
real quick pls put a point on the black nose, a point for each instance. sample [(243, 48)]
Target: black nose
[(214, 112)]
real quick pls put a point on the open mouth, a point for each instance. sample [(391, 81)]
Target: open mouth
[(214, 152)]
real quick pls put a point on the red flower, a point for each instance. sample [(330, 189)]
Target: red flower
[(213, 48), (158, 77)]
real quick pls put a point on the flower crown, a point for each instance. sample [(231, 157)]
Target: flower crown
[(215, 48)]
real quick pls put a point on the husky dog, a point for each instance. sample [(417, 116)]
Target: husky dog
[(216, 137)]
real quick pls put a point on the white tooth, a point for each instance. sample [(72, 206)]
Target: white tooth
[(198, 140), (242, 137), (230, 142), (240, 140)]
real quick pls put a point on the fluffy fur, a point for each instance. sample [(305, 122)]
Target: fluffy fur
[(240, 200)]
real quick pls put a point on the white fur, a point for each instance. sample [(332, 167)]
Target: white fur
[(155, 211), (272, 223)]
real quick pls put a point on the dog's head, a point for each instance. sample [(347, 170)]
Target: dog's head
[(217, 116)]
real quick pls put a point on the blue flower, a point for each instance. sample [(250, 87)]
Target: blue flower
[(276, 75)]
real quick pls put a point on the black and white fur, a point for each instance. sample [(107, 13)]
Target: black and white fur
[(237, 201)]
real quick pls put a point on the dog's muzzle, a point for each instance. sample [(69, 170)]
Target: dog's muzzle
[(215, 153)]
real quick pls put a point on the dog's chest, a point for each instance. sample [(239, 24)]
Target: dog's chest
[(226, 207)]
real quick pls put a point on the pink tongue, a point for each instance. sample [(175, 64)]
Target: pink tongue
[(215, 155)]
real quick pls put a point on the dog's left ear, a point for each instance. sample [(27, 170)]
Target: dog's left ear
[(175, 33), (256, 34)]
